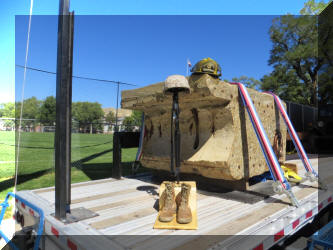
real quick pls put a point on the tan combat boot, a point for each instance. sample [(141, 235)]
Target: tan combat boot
[(169, 205), (184, 214)]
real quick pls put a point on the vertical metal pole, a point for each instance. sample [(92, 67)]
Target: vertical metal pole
[(69, 111), (63, 111), (116, 165), (172, 140), (177, 135), (117, 107)]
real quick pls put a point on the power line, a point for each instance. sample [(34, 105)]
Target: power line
[(78, 77)]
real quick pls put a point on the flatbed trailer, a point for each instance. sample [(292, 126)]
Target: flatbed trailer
[(227, 220)]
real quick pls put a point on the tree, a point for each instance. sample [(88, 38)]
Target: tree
[(133, 121), (110, 117), (30, 108), (30, 111), (311, 7), (48, 111), (137, 117), (2, 109), (286, 84), (295, 50), (128, 123), (325, 40), (88, 115), (8, 110), (249, 82)]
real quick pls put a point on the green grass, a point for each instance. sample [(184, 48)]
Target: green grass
[(91, 159), (7, 154)]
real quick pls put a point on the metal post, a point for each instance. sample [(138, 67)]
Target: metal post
[(69, 110), (175, 117), (117, 107), (116, 165), (63, 111), (175, 137)]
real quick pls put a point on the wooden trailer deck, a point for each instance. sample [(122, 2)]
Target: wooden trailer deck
[(129, 207)]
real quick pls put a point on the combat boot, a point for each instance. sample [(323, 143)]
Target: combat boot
[(169, 205), (184, 214)]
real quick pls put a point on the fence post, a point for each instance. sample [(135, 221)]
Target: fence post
[(116, 165)]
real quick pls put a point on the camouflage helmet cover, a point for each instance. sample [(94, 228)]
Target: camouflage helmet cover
[(207, 66)]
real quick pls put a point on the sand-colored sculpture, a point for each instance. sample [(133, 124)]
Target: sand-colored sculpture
[(217, 137)]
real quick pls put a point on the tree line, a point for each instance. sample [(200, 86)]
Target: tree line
[(300, 58), (86, 116), (43, 112)]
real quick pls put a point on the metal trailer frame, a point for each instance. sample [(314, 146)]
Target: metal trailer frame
[(281, 225), (32, 211), (263, 234)]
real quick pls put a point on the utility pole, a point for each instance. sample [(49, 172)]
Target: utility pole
[(63, 111)]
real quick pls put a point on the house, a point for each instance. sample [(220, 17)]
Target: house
[(122, 114)]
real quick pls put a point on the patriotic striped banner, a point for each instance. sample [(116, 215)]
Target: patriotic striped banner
[(300, 150), (266, 147)]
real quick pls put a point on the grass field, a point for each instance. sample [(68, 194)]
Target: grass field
[(7, 154), (91, 159)]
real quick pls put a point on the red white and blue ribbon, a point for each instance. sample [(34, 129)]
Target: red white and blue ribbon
[(266, 147), (300, 150)]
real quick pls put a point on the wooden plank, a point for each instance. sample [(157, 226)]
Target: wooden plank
[(110, 214), (103, 188), (126, 198), (145, 225), (76, 185), (245, 221), (129, 216), (100, 196), (205, 212), (122, 203)]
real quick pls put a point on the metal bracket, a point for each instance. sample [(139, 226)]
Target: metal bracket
[(321, 184), (291, 197), (311, 177), (278, 188), (78, 214)]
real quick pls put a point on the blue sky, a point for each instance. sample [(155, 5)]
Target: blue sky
[(138, 49)]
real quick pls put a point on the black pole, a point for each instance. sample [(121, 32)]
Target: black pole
[(117, 107), (172, 142), (116, 164), (177, 135), (63, 111), (69, 111)]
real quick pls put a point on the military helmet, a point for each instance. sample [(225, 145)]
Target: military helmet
[(207, 66)]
